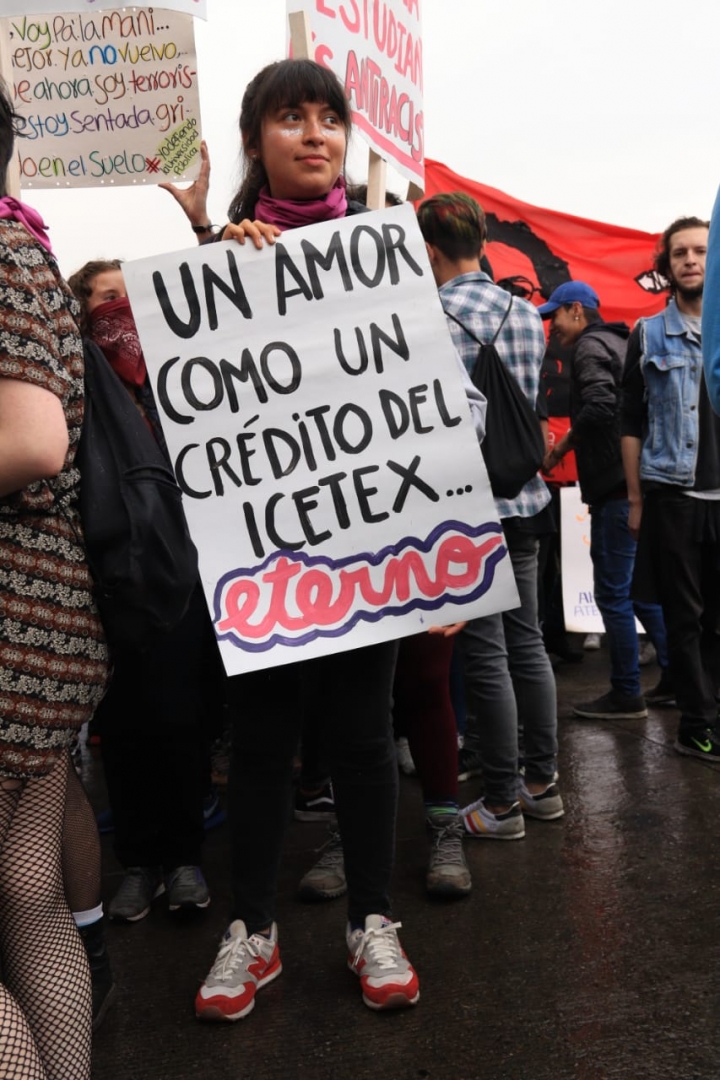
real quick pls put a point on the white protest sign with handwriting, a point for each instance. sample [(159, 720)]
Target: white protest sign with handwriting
[(319, 429), (107, 98), (47, 7), (375, 49), (582, 614)]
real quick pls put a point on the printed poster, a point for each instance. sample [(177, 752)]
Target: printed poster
[(320, 432)]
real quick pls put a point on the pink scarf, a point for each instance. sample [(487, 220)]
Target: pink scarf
[(25, 215), (293, 213)]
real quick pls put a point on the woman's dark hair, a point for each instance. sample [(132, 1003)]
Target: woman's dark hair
[(287, 82), (662, 254), (81, 283), (10, 123)]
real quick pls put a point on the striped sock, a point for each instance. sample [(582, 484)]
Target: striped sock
[(441, 810)]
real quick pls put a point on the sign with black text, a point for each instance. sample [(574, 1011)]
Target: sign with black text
[(106, 98), (319, 429)]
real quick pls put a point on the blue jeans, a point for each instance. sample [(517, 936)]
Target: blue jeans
[(612, 549), (510, 684)]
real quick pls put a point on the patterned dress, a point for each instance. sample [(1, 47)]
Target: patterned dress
[(53, 656)]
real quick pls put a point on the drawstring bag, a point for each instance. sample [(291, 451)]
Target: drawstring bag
[(513, 447), (141, 558)]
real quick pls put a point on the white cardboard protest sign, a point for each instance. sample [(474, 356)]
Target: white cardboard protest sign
[(375, 49), (108, 98), (312, 404), (581, 612), (198, 8)]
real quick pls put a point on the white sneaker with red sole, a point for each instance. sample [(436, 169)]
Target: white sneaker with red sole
[(387, 977), (242, 966)]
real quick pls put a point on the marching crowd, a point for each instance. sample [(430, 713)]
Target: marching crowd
[(317, 738)]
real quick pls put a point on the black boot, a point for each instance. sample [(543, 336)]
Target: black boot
[(103, 987)]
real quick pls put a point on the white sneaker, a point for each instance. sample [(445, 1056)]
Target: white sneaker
[(479, 821), (387, 977), (404, 757), (544, 807)]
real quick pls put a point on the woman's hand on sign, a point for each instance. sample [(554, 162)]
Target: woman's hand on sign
[(193, 199), (257, 231), (448, 631)]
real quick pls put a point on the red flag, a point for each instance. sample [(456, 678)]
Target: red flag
[(548, 248)]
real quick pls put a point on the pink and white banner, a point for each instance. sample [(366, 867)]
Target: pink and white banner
[(375, 49)]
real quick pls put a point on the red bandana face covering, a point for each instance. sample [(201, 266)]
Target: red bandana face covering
[(112, 327)]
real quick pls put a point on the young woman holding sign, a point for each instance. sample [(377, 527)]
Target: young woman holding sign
[(295, 123)]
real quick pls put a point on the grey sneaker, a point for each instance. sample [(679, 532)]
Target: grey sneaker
[(133, 900), (187, 889), (545, 807), (326, 880), (447, 873)]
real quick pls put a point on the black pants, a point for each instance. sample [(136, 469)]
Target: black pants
[(155, 733), (684, 538), (356, 737)]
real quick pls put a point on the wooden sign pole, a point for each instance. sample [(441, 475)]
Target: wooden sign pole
[(301, 43)]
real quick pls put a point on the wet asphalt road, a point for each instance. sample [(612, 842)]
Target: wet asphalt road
[(588, 951)]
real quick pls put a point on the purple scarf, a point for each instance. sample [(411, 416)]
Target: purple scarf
[(293, 213), (25, 215)]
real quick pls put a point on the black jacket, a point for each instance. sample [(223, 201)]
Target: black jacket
[(595, 378)]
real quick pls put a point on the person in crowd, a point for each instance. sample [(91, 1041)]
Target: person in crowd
[(597, 363), (711, 310), (171, 693), (422, 707), (294, 125), (671, 451), (510, 680), (53, 655), (555, 384)]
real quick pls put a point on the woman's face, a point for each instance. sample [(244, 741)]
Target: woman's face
[(303, 149)]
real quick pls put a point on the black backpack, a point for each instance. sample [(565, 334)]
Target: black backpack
[(513, 447), (141, 558)]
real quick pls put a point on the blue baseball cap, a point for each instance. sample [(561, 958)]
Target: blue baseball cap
[(568, 293)]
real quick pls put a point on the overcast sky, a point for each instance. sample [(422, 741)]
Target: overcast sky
[(608, 110)]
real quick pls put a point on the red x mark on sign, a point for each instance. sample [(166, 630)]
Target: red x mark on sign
[(152, 164)]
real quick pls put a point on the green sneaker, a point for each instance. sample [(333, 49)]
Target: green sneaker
[(701, 744)]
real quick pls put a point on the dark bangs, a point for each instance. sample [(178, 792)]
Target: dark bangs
[(292, 82)]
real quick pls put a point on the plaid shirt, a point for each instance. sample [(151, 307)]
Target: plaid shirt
[(480, 304)]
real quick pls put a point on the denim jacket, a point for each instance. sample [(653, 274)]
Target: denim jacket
[(672, 369)]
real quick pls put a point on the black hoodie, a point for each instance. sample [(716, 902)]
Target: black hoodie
[(595, 377)]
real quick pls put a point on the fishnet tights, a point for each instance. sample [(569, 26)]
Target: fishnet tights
[(81, 855), (45, 1005)]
